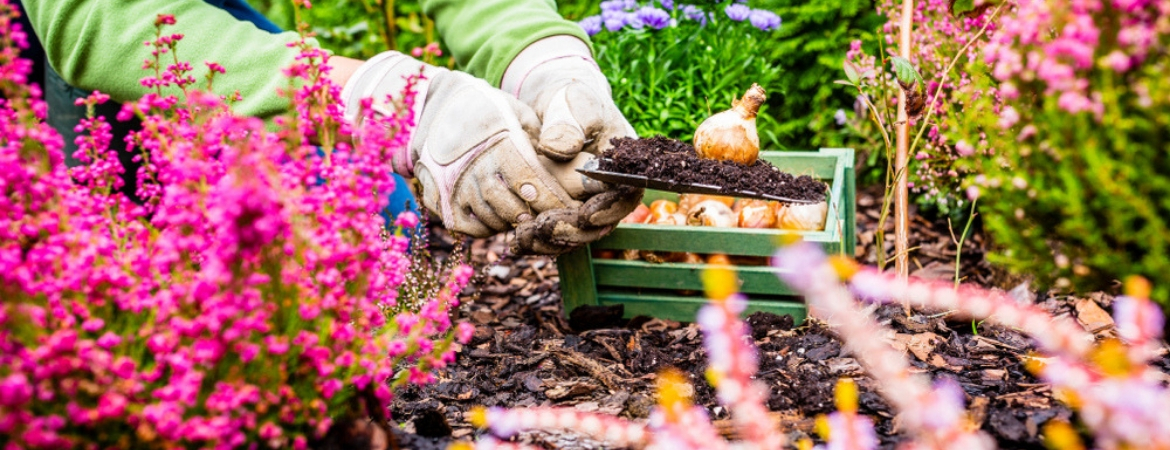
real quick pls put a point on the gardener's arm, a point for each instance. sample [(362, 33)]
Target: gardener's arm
[(98, 45)]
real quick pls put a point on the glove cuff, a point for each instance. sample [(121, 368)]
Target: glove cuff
[(549, 49), (385, 79)]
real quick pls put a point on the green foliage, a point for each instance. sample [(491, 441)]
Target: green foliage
[(810, 46), (357, 29), (668, 81), (1083, 203)]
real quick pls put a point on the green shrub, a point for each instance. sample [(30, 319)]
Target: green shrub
[(667, 79), (1077, 175), (811, 46)]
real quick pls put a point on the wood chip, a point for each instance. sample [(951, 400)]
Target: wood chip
[(1092, 317)]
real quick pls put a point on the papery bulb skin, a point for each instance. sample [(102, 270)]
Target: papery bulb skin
[(686, 201), (751, 213), (802, 217), (731, 135), (660, 210), (711, 213)]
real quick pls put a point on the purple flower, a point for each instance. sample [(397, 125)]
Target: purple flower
[(840, 117), (613, 20), (618, 5), (591, 25), (737, 12), (667, 4), (634, 21), (653, 17), (763, 19), (694, 13)]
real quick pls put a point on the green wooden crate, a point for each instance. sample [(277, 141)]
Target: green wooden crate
[(658, 289)]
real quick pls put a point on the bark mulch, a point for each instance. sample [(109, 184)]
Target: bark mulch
[(526, 353)]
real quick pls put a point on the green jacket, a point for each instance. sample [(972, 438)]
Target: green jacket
[(98, 44)]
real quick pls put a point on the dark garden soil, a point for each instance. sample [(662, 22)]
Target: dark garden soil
[(525, 353), (666, 159)]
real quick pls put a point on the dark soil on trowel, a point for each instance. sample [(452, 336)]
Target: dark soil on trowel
[(662, 158), (526, 352)]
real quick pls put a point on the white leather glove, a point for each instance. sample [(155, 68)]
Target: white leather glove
[(559, 79), (471, 150)]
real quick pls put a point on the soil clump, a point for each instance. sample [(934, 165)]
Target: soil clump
[(662, 158)]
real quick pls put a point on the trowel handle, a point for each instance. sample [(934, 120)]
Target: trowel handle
[(577, 185)]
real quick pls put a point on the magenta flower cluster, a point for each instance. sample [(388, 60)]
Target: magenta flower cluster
[(242, 304), (1060, 60)]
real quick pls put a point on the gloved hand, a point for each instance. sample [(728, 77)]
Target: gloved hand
[(472, 147), (559, 79)]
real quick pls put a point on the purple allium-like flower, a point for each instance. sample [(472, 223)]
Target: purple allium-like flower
[(667, 4), (613, 20), (694, 13), (618, 5), (653, 17), (591, 25), (840, 117), (763, 19), (737, 12), (634, 21)]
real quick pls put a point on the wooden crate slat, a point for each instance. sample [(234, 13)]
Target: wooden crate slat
[(731, 241), (683, 309), (673, 290), (620, 273)]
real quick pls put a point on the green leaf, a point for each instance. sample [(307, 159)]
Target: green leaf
[(959, 7), (851, 72), (843, 82), (905, 71)]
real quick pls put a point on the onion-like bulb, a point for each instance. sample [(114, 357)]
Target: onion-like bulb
[(751, 213), (687, 201), (731, 135), (711, 213), (660, 209), (802, 217)]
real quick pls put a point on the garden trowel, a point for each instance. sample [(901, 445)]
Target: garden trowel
[(593, 180)]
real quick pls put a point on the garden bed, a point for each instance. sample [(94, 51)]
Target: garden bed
[(525, 353)]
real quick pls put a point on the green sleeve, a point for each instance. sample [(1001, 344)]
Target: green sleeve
[(98, 45), (485, 35)]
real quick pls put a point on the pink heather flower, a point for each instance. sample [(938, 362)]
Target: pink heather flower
[(465, 332), (164, 19), (1138, 320), (1117, 60), (109, 340), (330, 387), (850, 432), (972, 193), (406, 219), (93, 325), (1008, 118), (964, 148), (111, 405), (15, 390)]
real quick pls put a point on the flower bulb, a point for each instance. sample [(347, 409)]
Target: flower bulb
[(731, 135)]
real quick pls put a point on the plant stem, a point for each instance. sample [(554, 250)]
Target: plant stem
[(961, 239), (902, 158)]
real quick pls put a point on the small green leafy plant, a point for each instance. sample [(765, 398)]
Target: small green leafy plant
[(670, 67)]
